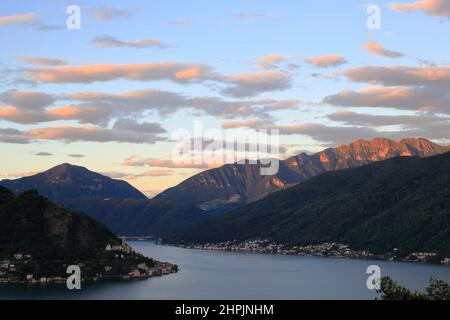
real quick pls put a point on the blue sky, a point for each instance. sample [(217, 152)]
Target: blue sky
[(226, 41)]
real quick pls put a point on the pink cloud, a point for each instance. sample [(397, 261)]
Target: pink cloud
[(326, 61), (439, 8), (24, 18), (377, 49)]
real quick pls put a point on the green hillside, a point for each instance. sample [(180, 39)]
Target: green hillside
[(400, 203)]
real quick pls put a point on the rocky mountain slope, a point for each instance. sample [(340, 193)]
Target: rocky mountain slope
[(401, 203), (236, 184)]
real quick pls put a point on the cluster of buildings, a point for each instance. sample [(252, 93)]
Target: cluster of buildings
[(330, 249), (143, 271), (421, 257), (117, 262), (265, 246), (10, 271)]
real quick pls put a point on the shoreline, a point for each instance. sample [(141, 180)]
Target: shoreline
[(113, 263), (326, 250)]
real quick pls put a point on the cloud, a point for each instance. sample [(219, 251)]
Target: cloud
[(133, 176), (271, 61), (401, 75), (42, 61), (177, 72), (129, 125), (29, 18), (111, 42), (165, 102), (326, 61), (27, 99), (438, 8), (238, 86), (421, 124), (134, 161), (96, 134), (150, 173), (76, 155), (108, 13), (406, 98), (329, 135), (251, 84), (184, 22), (373, 120), (43, 154), (409, 88), (122, 131), (251, 123), (50, 27), (10, 135), (377, 49), (254, 16), (100, 108)]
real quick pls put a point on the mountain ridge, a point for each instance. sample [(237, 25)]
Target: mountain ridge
[(401, 203), (233, 185)]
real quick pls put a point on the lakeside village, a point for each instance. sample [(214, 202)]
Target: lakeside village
[(329, 249), (115, 262)]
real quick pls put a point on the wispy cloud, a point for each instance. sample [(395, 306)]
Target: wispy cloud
[(251, 84), (438, 8), (124, 130), (326, 61), (377, 49), (398, 87), (43, 154), (76, 155), (184, 22), (239, 86), (100, 108), (111, 42), (41, 60), (31, 19), (254, 16), (29, 100), (178, 72), (135, 161), (28, 18), (272, 61), (106, 13)]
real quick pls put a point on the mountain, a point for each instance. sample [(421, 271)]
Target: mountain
[(115, 203), (399, 203), (32, 224), (137, 217), (67, 181), (236, 184)]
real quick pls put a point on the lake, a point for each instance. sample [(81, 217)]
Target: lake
[(229, 275)]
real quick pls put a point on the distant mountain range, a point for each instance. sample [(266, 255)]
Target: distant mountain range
[(234, 185), (126, 211), (401, 203), (115, 203)]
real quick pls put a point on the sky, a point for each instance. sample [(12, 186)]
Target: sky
[(114, 91)]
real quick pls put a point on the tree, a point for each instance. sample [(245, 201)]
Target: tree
[(391, 290)]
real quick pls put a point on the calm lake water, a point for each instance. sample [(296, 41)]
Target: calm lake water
[(226, 275)]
